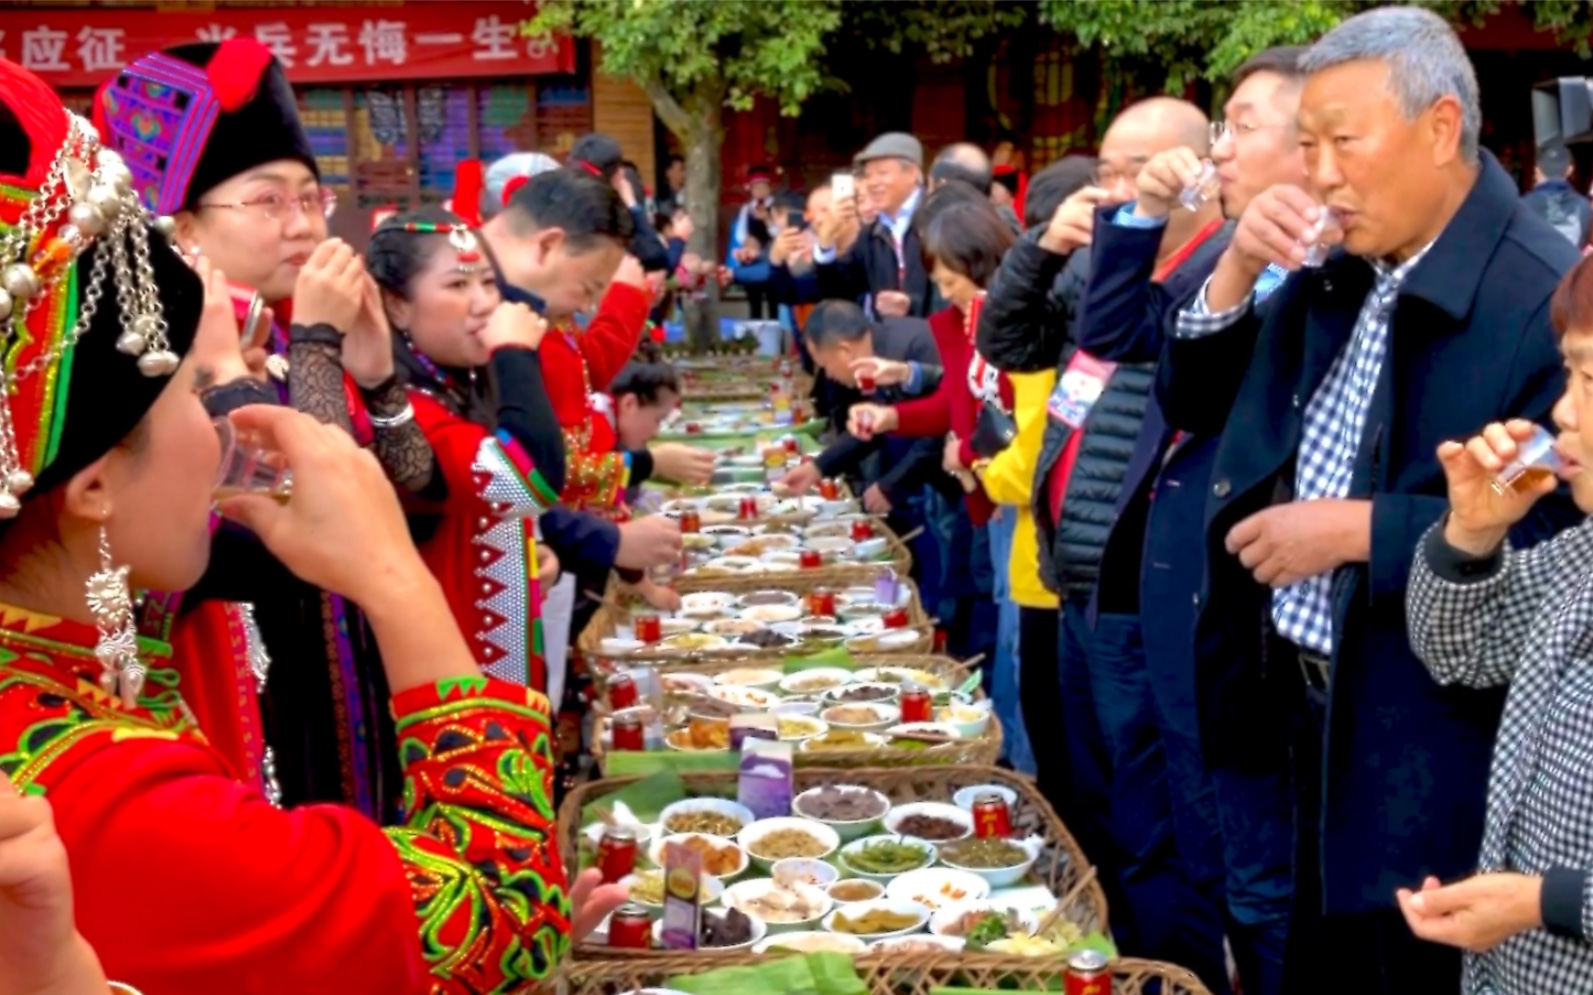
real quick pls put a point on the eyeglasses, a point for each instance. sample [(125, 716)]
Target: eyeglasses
[(1221, 131), (1108, 177), (275, 207)]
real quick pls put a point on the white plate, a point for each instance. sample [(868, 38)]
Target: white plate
[(811, 943), (749, 677), (936, 887), (743, 697), (692, 642), (619, 647), (822, 834), (885, 716), (821, 679), (739, 895), (937, 810), (720, 806), (701, 602), (857, 910)]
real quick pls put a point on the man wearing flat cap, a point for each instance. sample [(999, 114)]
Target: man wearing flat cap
[(880, 261)]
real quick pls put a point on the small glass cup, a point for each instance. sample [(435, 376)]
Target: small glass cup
[(247, 467), (1204, 187), (1535, 460), (1316, 247)]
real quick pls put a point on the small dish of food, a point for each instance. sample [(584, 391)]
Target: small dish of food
[(744, 697), (722, 930), (1001, 863), (850, 810), (766, 639), (917, 946), (749, 677), (721, 858), (841, 740), (881, 858), (684, 683), (936, 887), (732, 626), (863, 692), (936, 822), (692, 642), (810, 943), (901, 675), (855, 890), (970, 721), (815, 681), (764, 598), (646, 888), (768, 840), (768, 614), (805, 870), (879, 919), (784, 907), (711, 816), (614, 646), (796, 728), (863, 716), (706, 603)]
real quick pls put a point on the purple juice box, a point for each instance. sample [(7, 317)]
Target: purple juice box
[(766, 783), (682, 911)]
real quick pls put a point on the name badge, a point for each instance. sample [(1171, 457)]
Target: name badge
[(1079, 387)]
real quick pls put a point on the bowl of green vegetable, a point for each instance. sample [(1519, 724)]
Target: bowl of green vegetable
[(881, 858), (1003, 863)]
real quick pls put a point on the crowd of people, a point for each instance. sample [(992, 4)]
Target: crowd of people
[(1210, 445)]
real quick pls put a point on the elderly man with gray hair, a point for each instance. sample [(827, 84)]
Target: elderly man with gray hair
[(1419, 313)]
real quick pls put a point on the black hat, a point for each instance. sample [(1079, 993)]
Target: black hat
[(1554, 159), (194, 116), (72, 401)]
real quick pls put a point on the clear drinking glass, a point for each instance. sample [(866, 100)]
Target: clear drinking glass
[(1316, 246), (1535, 460), (1204, 187), (248, 467)]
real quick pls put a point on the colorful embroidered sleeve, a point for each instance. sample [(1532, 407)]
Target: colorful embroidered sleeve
[(476, 463), (593, 481), (468, 896)]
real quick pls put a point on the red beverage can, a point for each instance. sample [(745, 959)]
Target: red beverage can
[(992, 818), (791, 445), (917, 705), (748, 509), (649, 628), (622, 691), (616, 853), (896, 618), (690, 521), (628, 733), (812, 559), (821, 601), (940, 642), (1089, 973), (630, 927), (866, 384), (692, 428), (829, 490), (861, 530)]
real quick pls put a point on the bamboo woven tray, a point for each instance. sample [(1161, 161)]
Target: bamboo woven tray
[(899, 558), (1061, 866), (981, 751), (884, 975), (606, 620)]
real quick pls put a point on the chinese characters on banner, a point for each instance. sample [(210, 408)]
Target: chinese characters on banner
[(82, 47)]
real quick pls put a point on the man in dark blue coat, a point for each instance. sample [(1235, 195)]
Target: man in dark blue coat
[(1233, 822), (1429, 322)]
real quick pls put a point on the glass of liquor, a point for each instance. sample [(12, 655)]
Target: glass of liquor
[(1535, 460), (248, 467), (1317, 246), (1202, 188)]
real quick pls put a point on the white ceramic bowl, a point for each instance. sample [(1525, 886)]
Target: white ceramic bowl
[(883, 877), (720, 806), (847, 830), (675, 626), (737, 896), (906, 946), (798, 707), (691, 642), (614, 646), (885, 641), (753, 834), (936, 887), (749, 677), (712, 888), (896, 676), (760, 929), (819, 873), (964, 798), (970, 721), (888, 693), (732, 627), (870, 549), (858, 909), (706, 603), (800, 728), (744, 697), (685, 683), (938, 810), (1001, 877), (866, 891), (830, 547), (816, 680), (871, 741), (762, 598), (655, 852), (932, 728), (841, 717), (810, 943), (771, 614)]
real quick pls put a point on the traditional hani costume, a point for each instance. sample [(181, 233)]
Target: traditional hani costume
[(186, 120), (497, 460), (468, 895)]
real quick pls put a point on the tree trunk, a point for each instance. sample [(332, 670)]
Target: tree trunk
[(697, 120)]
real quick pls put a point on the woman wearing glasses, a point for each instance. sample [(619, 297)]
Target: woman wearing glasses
[(211, 134)]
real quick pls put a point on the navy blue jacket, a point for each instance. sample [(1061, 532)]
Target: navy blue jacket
[(1122, 315), (1406, 762)]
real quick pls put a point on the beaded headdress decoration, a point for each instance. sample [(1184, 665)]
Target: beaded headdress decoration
[(86, 196), (460, 237)]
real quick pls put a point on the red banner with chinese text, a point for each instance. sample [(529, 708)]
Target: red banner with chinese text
[(83, 46)]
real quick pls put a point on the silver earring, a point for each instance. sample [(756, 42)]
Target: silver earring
[(111, 603)]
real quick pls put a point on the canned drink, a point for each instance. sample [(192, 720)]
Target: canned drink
[(791, 445), (829, 490), (628, 733), (630, 927), (861, 530), (821, 602), (811, 559), (693, 428), (896, 618), (690, 520), (992, 818), (622, 691), (748, 509), (940, 642), (1089, 973), (917, 704), (649, 628), (617, 851)]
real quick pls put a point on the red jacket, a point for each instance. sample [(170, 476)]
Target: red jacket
[(952, 407)]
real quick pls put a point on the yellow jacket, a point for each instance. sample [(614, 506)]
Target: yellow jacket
[(1009, 480)]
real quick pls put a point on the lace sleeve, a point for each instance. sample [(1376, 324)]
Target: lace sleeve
[(402, 449), (315, 375)]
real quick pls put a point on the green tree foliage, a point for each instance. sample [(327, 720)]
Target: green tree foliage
[(1171, 43)]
